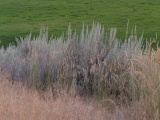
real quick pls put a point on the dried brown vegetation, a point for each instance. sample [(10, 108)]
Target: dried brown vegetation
[(19, 103)]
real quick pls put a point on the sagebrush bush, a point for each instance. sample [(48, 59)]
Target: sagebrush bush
[(93, 64)]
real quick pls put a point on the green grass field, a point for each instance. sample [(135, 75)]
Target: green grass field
[(20, 17)]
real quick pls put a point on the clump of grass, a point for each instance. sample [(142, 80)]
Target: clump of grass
[(146, 69)]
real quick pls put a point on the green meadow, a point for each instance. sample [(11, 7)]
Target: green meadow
[(20, 17)]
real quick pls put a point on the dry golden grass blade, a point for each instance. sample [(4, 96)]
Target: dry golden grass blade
[(140, 62)]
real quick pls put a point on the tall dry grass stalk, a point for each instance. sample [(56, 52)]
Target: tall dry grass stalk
[(146, 69)]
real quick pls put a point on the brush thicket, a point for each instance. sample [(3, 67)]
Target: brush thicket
[(95, 64)]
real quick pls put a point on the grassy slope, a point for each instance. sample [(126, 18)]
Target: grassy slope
[(19, 17)]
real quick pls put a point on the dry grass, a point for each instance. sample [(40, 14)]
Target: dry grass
[(146, 69), (19, 103)]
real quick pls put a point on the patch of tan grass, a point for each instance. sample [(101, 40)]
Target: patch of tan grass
[(147, 68), (19, 103)]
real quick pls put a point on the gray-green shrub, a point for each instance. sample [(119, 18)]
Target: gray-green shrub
[(93, 64)]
